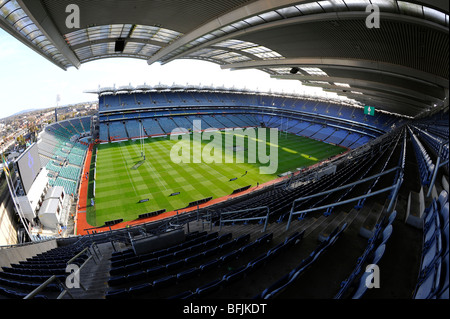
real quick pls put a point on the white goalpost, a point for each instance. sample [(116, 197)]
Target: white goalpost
[(141, 133)]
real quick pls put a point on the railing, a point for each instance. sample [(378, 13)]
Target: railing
[(65, 289), (232, 220), (395, 188)]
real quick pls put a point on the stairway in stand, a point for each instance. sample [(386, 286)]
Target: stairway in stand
[(94, 276)]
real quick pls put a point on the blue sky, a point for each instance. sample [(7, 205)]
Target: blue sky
[(29, 81)]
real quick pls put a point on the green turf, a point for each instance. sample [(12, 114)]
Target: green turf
[(122, 179)]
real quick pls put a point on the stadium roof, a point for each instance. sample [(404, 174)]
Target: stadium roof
[(400, 67)]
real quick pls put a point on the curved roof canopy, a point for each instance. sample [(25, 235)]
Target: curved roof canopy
[(400, 66)]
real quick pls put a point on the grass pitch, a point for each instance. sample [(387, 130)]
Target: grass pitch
[(123, 178)]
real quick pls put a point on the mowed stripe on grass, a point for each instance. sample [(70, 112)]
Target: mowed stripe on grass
[(120, 185)]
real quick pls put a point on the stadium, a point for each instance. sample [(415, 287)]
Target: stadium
[(195, 192)]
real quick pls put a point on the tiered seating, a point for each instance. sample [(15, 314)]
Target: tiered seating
[(193, 269), (70, 187), (137, 275), (350, 140), (152, 127), (355, 285), (103, 132), (337, 137), (61, 152), (117, 130), (280, 285), (70, 172), (166, 124), (312, 108), (133, 128), (20, 279), (424, 162), (210, 122), (323, 133), (433, 276), (434, 142)]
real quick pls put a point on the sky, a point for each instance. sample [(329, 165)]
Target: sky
[(29, 81)]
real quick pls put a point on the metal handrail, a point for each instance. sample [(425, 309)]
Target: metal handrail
[(246, 219), (54, 278), (77, 255), (394, 187)]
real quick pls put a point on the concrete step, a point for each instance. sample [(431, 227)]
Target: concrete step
[(94, 276)]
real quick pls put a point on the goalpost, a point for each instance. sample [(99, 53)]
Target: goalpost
[(141, 135)]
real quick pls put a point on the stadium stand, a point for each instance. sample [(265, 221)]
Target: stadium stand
[(62, 152), (293, 251), (319, 233)]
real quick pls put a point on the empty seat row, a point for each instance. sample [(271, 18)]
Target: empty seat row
[(163, 256), (156, 266), (288, 279), (354, 286), (20, 279), (171, 279), (424, 162), (433, 277)]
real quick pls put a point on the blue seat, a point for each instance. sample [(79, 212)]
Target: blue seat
[(362, 287), (442, 199), (165, 258), (391, 218), (117, 280), (226, 245), (181, 253), (209, 288), (141, 289), (175, 265), (164, 282), (210, 265), (183, 295), (249, 247), (294, 239), (225, 237), (442, 288), (445, 239), (386, 234), (211, 242), (149, 263), (194, 258), (187, 274), (428, 286), (378, 254), (429, 233), (230, 256), (258, 261), (211, 252), (273, 252), (265, 238), (443, 213), (235, 275), (117, 294), (242, 239), (157, 270), (280, 283), (136, 276), (430, 214)]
